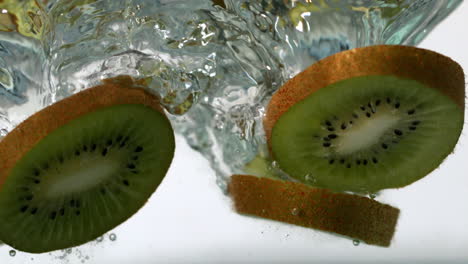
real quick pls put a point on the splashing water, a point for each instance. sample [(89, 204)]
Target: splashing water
[(215, 64)]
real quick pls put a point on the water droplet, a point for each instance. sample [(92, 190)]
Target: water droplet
[(3, 132), (356, 242), (112, 237), (12, 253), (295, 211), (100, 239)]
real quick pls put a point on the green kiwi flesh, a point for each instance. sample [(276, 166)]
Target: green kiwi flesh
[(85, 178), (367, 133)]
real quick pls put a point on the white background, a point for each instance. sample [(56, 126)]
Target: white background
[(189, 220)]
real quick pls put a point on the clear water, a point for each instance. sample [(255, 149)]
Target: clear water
[(214, 63)]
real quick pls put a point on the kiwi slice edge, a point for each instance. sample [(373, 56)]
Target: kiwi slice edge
[(349, 215)]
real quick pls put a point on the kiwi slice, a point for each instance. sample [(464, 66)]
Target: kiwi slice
[(367, 119), (295, 203), (82, 166)]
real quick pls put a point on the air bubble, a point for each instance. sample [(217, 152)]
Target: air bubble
[(356, 242), (100, 239), (309, 178), (295, 211), (112, 237), (372, 196), (68, 251), (12, 253), (3, 132)]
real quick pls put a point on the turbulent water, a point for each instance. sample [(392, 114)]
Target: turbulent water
[(214, 63)]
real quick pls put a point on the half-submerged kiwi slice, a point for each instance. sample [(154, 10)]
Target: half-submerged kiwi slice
[(82, 166), (295, 203), (367, 119)]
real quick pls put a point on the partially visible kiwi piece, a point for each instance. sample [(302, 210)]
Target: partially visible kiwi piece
[(367, 119), (82, 166), (295, 203)]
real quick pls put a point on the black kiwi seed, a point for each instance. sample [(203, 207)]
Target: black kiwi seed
[(388, 100), (326, 139), (135, 158), (72, 203), (416, 122), (109, 142), (36, 172), (331, 129), (104, 152), (368, 114), (327, 144), (358, 162), (60, 159), (135, 172), (103, 191), (397, 105), (34, 211), (29, 198), (412, 128), (24, 208), (369, 105), (53, 215), (374, 160), (398, 132), (119, 137), (410, 112), (85, 148), (139, 149), (331, 161), (364, 162), (385, 146), (77, 204), (342, 161), (328, 123), (343, 126), (377, 103), (355, 115), (77, 153), (363, 108), (78, 212), (126, 182), (93, 147), (348, 166), (62, 212), (332, 136), (131, 166), (37, 181)]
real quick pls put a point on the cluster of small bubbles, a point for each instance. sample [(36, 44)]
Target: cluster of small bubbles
[(310, 179), (356, 242), (12, 253), (112, 237)]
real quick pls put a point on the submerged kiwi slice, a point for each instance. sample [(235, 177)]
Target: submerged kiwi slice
[(367, 119), (82, 166), (295, 203)]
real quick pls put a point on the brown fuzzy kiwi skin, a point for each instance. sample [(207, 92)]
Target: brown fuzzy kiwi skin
[(430, 68), (295, 203), (114, 91)]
